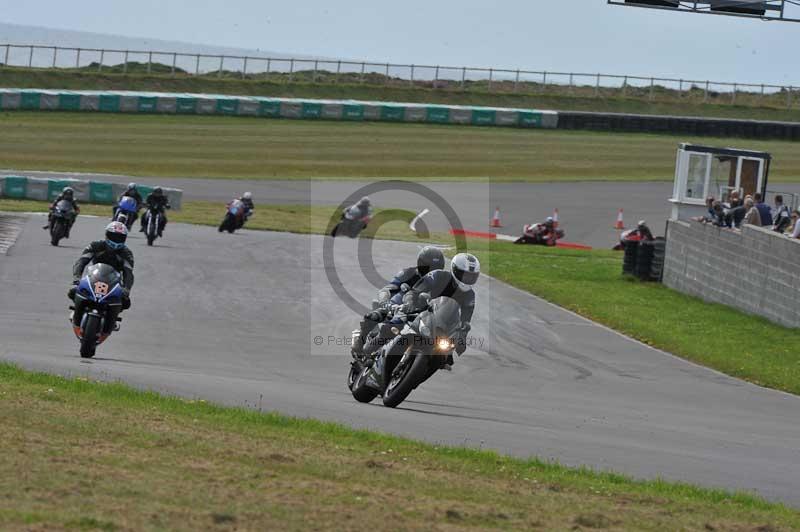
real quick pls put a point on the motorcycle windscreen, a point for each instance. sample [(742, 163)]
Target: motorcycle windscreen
[(64, 207), (103, 281), (444, 316), (127, 204)]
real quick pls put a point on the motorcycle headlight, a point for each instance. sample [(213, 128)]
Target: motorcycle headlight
[(445, 344)]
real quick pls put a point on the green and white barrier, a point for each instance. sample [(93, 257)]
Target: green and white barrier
[(216, 104), (43, 189)]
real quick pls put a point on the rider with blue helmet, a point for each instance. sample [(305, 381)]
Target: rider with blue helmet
[(112, 251)]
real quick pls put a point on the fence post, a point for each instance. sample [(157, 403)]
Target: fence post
[(386, 80), (363, 68), (463, 77), (149, 62), (55, 55), (412, 76), (338, 71), (269, 64), (789, 98), (680, 89), (597, 86), (544, 80), (244, 68), (705, 94), (570, 82), (8, 47), (102, 58), (436, 74), (30, 58), (625, 86), (516, 81), (221, 65), (125, 66), (652, 88), (291, 70), (491, 75), (733, 97), (761, 98), (197, 65), (78, 59), (174, 60)]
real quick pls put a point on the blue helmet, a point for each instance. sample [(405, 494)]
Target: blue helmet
[(116, 235)]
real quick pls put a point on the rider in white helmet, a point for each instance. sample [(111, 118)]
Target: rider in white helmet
[(247, 199)]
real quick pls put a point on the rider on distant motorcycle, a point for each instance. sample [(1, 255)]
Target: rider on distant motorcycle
[(428, 259), (158, 202), (544, 233), (69, 195), (130, 192), (360, 211), (456, 284), (115, 253), (249, 206)]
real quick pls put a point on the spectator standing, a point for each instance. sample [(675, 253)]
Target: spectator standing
[(764, 212), (782, 217)]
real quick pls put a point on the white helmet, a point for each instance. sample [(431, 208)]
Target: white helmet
[(247, 195), (466, 269), (364, 201)]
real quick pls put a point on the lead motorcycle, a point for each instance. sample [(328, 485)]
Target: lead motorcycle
[(421, 346), (63, 215), (350, 226), (100, 295)]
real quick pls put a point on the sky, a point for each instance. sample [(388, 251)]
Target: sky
[(554, 35)]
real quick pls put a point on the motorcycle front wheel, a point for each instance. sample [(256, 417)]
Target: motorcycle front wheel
[(59, 229), (89, 338), (361, 392), (405, 378)]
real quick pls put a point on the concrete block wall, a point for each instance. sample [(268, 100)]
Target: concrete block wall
[(755, 270)]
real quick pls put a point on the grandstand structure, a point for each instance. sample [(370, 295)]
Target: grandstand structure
[(781, 10)]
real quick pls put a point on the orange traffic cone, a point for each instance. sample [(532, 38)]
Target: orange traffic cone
[(555, 217), (619, 224), (496, 218)]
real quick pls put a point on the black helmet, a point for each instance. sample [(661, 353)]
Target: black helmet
[(68, 192), (158, 191), (429, 258)]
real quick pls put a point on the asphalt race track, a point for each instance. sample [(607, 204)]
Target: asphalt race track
[(232, 319), (587, 210)]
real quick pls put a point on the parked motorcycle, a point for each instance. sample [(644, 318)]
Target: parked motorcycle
[(152, 221), (126, 211), (234, 217), (100, 295), (537, 234), (422, 345), (63, 215)]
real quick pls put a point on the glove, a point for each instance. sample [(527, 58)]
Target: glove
[(126, 299), (375, 315), (72, 290)]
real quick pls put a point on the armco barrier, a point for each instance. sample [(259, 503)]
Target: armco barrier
[(35, 188), (215, 104)]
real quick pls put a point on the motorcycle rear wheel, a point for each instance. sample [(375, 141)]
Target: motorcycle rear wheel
[(89, 339)]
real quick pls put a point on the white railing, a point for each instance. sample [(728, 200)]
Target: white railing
[(288, 69)]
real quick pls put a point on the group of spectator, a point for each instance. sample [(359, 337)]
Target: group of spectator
[(752, 210)]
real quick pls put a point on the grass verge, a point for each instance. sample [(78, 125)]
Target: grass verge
[(242, 147), (527, 95), (589, 283), (93, 456)]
